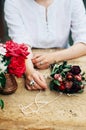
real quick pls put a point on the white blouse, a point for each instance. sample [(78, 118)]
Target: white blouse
[(27, 22)]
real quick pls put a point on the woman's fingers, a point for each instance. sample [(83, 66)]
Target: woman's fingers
[(41, 61), (38, 82), (37, 58), (34, 87), (42, 65)]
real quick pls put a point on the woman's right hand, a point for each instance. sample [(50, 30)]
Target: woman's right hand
[(34, 79), (37, 79)]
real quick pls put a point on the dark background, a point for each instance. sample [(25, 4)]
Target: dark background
[(3, 27)]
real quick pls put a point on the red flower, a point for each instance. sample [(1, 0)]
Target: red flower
[(17, 66), (11, 47), (14, 49), (17, 54), (62, 87)]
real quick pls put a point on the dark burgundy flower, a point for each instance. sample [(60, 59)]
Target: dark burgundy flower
[(68, 84), (69, 76), (75, 70), (75, 88)]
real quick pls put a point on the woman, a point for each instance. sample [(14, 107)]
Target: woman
[(46, 24)]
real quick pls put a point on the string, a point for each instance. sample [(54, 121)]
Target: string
[(36, 102)]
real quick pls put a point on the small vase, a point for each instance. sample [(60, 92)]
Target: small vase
[(10, 86)]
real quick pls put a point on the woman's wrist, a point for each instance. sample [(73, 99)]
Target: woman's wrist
[(60, 55), (29, 66), (56, 57), (72, 52)]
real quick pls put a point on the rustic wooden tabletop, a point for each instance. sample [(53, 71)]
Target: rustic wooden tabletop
[(44, 110)]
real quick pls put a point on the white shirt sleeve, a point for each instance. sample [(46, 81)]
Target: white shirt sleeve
[(16, 29), (78, 22)]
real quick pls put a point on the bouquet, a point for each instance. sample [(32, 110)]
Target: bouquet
[(67, 78), (12, 61)]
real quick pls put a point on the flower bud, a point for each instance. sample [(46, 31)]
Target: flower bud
[(69, 76), (78, 77), (68, 84), (58, 77), (62, 87)]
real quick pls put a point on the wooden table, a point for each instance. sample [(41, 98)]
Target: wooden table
[(61, 112)]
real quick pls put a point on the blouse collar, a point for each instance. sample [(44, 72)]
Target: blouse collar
[(41, 6)]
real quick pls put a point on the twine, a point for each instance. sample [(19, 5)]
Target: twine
[(36, 102)]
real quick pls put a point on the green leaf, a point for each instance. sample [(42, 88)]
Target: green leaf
[(66, 70), (64, 64), (55, 68), (80, 91), (60, 68), (1, 103), (68, 66), (57, 82), (53, 73), (63, 74), (51, 85), (7, 62), (83, 78), (83, 74), (79, 83), (2, 80)]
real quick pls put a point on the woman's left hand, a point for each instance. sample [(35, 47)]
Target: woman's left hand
[(43, 61)]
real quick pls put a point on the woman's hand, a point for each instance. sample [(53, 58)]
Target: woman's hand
[(35, 81), (43, 61)]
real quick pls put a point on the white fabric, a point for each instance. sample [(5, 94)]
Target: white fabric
[(27, 23)]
